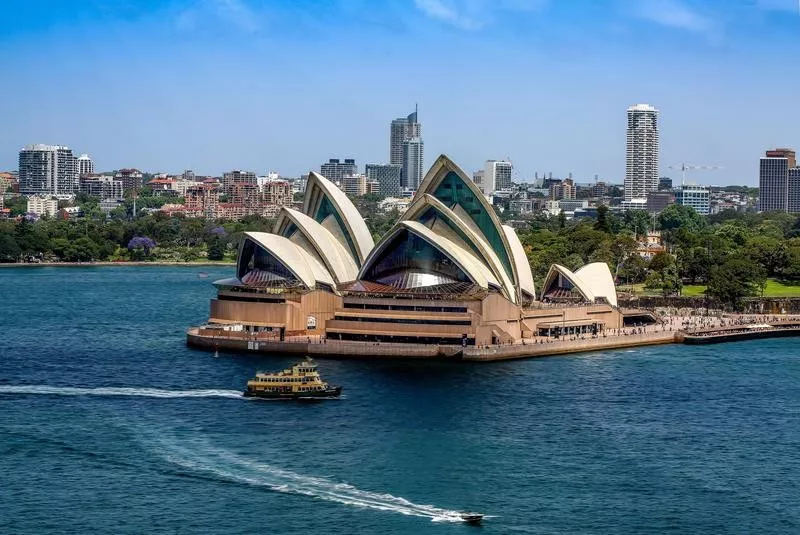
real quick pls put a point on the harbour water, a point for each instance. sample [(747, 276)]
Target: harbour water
[(109, 423)]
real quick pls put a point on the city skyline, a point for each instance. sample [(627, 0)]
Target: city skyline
[(560, 108)]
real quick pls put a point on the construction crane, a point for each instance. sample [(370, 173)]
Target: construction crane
[(689, 167)]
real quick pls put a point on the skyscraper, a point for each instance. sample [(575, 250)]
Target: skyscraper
[(779, 182), (84, 165), (388, 177), (47, 169), (402, 130), (335, 170), (641, 156), (496, 176), (413, 157)]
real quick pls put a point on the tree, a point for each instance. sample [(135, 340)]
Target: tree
[(140, 247), (602, 219), (562, 219), (9, 250), (737, 277), (667, 281), (661, 261), (677, 216)]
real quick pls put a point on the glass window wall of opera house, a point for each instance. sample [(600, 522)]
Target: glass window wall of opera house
[(448, 272)]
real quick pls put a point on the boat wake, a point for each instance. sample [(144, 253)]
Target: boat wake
[(117, 391), (229, 466)]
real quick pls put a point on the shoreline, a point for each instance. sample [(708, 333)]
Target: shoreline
[(126, 264)]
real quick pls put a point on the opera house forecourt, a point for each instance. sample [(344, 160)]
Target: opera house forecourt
[(447, 280)]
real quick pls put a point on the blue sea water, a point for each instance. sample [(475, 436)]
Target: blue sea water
[(108, 423)]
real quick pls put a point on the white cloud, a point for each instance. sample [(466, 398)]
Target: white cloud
[(674, 14), (473, 14)]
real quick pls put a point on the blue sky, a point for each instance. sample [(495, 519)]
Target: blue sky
[(212, 85)]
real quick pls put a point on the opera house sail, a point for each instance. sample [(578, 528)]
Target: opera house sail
[(447, 273)]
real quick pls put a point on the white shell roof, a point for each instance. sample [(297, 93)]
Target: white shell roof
[(592, 281), (304, 266), (356, 226), (474, 268), (469, 229), (523, 267), (438, 171), (335, 256), (597, 277)]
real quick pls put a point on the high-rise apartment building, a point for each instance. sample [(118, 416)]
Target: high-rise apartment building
[(775, 187), (403, 130), (47, 169), (84, 165), (641, 156), (496, 176), (130, 178), (235, 178), (335, 170), (565, 190), (387, 176), (413, 161)]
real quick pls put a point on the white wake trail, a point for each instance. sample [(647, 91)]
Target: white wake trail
[(117, 391), (232, 467)]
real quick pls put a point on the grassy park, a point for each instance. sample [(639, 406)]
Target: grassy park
[(774, 288)]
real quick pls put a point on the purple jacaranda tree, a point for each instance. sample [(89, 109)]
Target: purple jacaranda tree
[(140, 246), (217, 231)]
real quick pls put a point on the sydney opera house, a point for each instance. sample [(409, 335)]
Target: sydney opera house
[(447, 273)]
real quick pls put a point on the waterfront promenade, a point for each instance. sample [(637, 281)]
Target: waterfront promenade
[(678, 328)]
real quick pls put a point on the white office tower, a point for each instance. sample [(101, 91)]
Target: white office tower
[(47, 169), (641, 157), (413, 157), (496, 176), (84, 165)]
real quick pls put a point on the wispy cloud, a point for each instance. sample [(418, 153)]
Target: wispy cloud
[(473, 14), (235, 13), (674, 14)]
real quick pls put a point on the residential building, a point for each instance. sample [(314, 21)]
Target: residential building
[(102, 186), (131, 178), (388, 177), (7, 182), (84, 165), (657, 201), (793, 191), (353, 185), (277, 193), (202, 201), (413, 161), (599, 189), (335, 169), (235, 177), (496, 176), (47, 169), (478, 178), (641, 156), (698, 197), (773, 179), (42, 205), (563, 190), (402, 130)]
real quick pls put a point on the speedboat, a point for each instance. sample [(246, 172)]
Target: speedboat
[(472, 518)]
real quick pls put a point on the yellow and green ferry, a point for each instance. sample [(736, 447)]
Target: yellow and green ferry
[(301, 381)]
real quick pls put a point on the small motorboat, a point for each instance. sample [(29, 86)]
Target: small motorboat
[(472, 518)]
